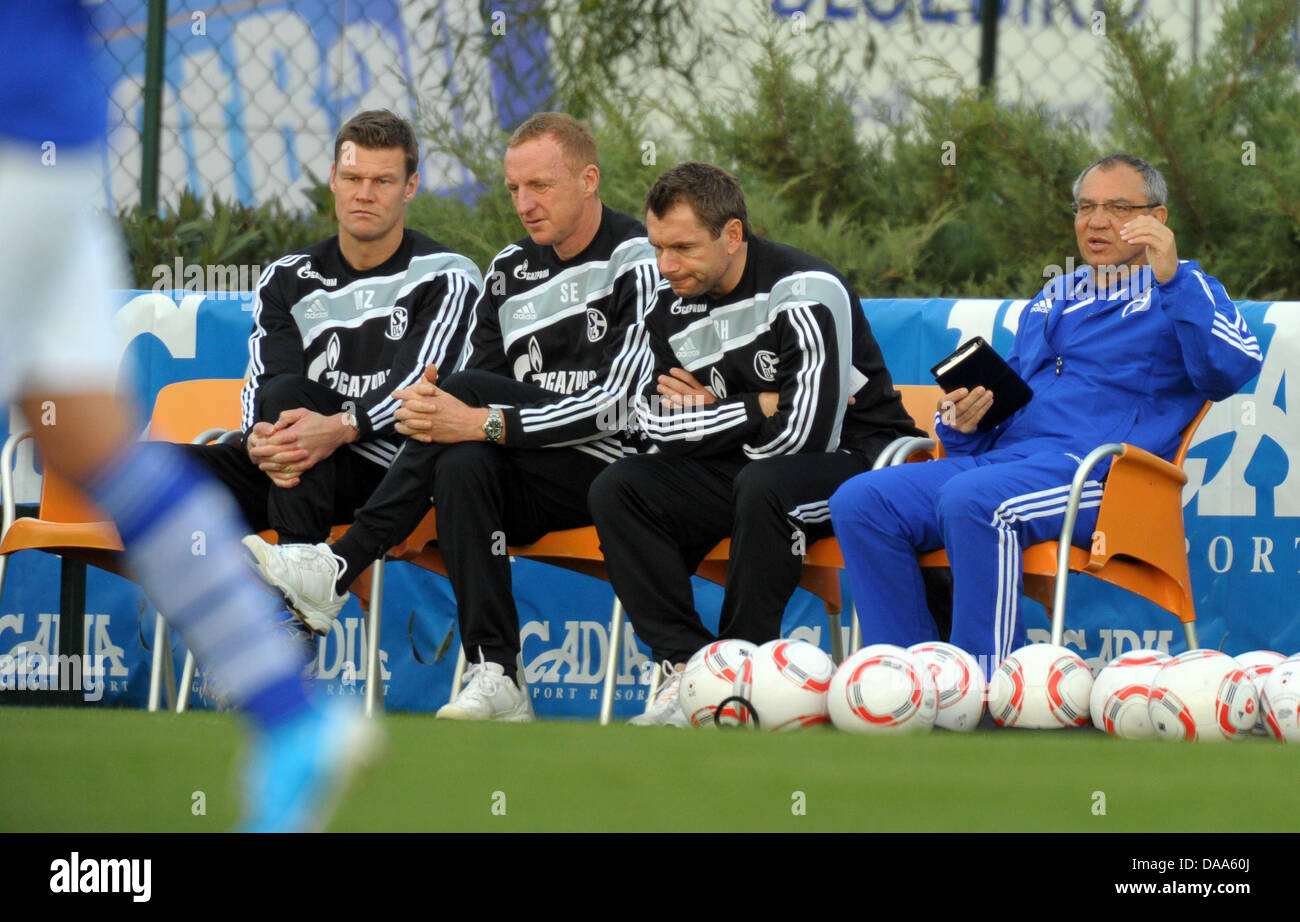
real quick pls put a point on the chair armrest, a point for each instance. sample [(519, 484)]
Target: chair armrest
[(1141, 480), (1138, 462), (7, 478), (220, 436), (899, 450)]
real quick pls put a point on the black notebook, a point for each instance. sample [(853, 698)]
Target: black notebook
[(976, 364)]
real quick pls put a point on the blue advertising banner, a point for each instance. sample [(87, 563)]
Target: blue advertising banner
[(1241, 504), (255, 92)]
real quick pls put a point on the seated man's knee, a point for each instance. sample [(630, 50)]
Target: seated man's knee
[(967, 498), (611, 489), (858, 499), (756, 484), (280, 393), (463, 464), (465, 385)]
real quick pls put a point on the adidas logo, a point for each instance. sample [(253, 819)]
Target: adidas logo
[(527, 312), (316, 311), (688, 350)]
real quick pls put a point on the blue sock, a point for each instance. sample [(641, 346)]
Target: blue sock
[(181, 532)]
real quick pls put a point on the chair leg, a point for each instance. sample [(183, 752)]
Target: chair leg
[(611, 666), (458, 677), (161, 678), (1189, 631), (855, 631), (170, 693), (374, 674), (1057, 613), (187, 682), (521, 680), (837, 637), (156, 665), (655, 675)]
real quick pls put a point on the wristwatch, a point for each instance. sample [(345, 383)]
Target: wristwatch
[(495, 427)]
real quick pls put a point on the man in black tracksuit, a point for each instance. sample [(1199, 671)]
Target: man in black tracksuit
[(758, 349), (508, 446), (336, 327)]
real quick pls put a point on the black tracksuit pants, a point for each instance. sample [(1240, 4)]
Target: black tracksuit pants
[(659, 514), (326, 494), (487, 496)]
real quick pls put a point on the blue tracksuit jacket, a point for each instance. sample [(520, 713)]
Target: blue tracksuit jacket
[(1132, 364)]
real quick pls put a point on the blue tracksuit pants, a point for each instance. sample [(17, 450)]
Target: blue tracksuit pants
[(984, 510)]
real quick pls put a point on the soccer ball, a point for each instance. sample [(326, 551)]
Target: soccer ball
[(708, 677), (958, 680), (1280, 700), (1202, 695), (1120, 693), (1040, 687), (1258, 664), (882, 689), (782, 686)]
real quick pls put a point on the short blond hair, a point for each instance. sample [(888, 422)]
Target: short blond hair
[(573, 136)]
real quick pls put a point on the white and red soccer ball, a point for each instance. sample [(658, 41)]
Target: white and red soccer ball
[(958, 681), (1279, 699), (1040, 687), (882, 689), (1258, 664), (1203, 695), (1121, 692), (783, 685), (708, 678)]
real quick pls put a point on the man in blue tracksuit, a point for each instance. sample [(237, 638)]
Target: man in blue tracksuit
[(1124, 350)]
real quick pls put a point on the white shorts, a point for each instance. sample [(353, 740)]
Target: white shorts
[(59, 261)]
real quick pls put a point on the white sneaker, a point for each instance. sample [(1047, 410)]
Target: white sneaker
[(306, 574), (488, 695), (666, 711)]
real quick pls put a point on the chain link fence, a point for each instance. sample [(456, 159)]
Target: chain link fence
[(254, 91), (1046, 51)]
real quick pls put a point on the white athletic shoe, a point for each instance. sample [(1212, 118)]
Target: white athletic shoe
[(488, 695), (306, 574), (666, 711)]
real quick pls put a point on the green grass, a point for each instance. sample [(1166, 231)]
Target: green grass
[(112, 770)]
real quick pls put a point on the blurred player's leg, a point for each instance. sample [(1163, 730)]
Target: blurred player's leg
[(57, 264)]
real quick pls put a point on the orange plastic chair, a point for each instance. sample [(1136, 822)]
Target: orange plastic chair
[(1146, 556), (69, 525)]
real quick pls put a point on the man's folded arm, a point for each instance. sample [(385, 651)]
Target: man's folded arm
[(435, 336)]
